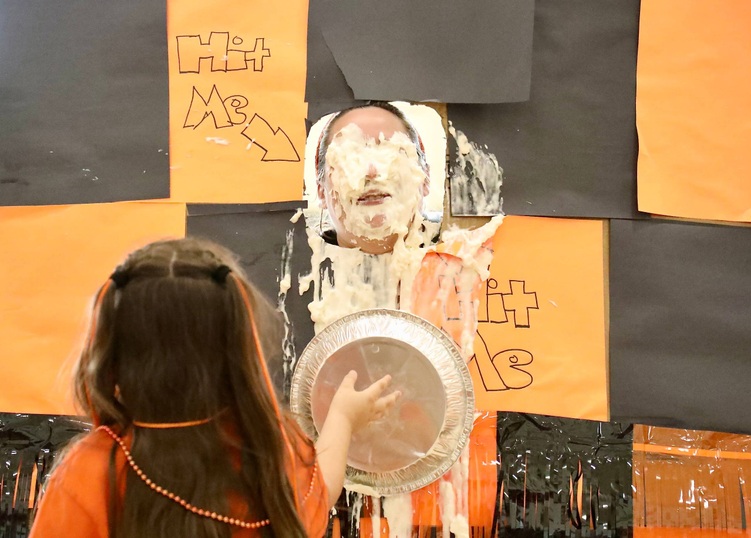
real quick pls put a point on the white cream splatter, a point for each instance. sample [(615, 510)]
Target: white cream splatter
[(217, 140), (289, 353), (362, 489), (376, 186), (363, 281), (296, 216), (469, 244), (426, 121), (454, 498), (397, 509), (475, 180), (355, 510)]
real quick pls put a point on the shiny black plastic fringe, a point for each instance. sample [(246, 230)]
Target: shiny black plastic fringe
[(557, 478), (28, 447), (563, 478)]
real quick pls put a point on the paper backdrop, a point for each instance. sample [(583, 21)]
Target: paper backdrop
[(55, 258)]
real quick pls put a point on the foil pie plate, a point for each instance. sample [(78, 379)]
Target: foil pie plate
[(419, 440)]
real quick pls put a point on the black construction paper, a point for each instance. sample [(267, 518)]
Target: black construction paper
[(195, 210), (83, 101), (260, 239), (318, 109), (570, 151), (423, 50), (680, 325), (27, 441), (325, 80)]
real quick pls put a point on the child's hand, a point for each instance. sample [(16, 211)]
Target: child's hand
[(360, 408), (350, 410)]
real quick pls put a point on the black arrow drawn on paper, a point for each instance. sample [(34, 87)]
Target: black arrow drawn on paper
[(275, 143)]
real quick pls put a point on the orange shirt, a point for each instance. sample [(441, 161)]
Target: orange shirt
[(75, 500), (446, 292)]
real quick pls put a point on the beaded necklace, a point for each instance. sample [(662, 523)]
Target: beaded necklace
[(185, 504)]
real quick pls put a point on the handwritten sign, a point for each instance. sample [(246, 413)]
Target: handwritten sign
[(541, 339), (237, 110)]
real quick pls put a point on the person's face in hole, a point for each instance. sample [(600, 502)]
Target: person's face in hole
[(373, 181)]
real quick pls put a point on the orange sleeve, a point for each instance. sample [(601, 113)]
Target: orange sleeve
[(61, 513), (308, 482), (74, 502), (315, 510)]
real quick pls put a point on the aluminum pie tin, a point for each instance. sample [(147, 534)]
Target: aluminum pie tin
[(424, 434)]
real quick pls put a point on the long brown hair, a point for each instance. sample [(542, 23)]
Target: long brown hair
[(171, 341)]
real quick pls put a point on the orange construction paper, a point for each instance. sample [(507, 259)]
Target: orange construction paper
[(237, 100), (693, 109), (54, 260), (541, 345)]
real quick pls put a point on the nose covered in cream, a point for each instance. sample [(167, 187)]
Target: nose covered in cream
[(376, 184)]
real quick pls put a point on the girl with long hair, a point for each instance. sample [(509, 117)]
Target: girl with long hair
[(188, 438)]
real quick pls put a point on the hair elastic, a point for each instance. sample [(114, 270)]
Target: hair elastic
[(170, 425), (120, 277), (219, 275)]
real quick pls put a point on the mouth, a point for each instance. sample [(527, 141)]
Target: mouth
[(373, 198)]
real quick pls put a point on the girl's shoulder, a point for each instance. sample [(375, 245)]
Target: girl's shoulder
[(87, 456), (75, 495), (91, 444)]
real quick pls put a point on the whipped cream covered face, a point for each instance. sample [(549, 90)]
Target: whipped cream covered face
[(374, 184)]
